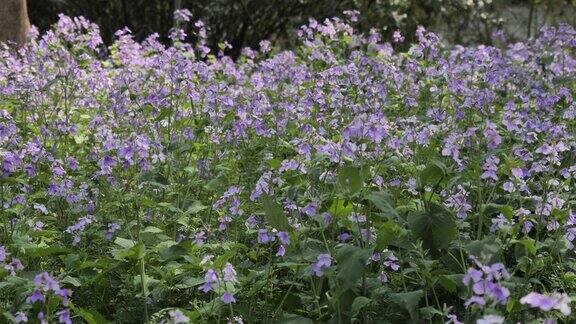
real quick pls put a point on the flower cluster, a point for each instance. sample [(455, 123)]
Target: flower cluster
[(487, 284), (556, 300), (223, 281), (14, 265), (45, 286), (340, 160)]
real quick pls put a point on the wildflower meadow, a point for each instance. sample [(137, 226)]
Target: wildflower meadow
[(351, 179)]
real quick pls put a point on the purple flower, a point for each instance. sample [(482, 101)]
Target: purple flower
[(490, 168), (459, 202), (3, 253), (491, 135), (177, 317), (210, 278), (499, 222), (199, 238), (21, 317), (281, 251), (490, 319), (310, 209), (264, 237), (323, 261), (288, 165), (229, 273), (486, 283), (559, 301), (453, 319), (182, 15), (283, 237), (13, 266), (64, 316), (397, 36), (112, 228), (343, 237), (35, 296), (227, 298)]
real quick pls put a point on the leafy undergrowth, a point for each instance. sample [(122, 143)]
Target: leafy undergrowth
[(344, 181)]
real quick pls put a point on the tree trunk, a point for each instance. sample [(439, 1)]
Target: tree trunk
[(14, 24)]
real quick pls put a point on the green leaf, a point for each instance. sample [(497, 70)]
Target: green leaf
[(387, 233), (433, 173), (136, 252), (408, 300), (450, 282), (196, 207), (164, 113), (90, 316), (436, 228), (351, 265), (71, 280), (125, 243), (294, 319), (38, 252), (152, 229), (359, 303), (525, 246), (275, 214), (340, 209), (350, 178), (384, 202)]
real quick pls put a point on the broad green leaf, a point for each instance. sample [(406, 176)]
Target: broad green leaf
[(136, 252), (351, 265), (433, 173), (90, 316), (384, 202), (195, 208), (152, 229), (275, 214), (387, 233), (436, 228), (350, 178), (340, 209), (408, 300), (125, 243), (359, 303), (294, 319), (451, 282), (71, 280), (38, 252)]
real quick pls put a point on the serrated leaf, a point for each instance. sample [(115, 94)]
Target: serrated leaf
[(433, 173), (436, 227), (384, 202), (38, 252), (350, 178), (351, 265), (275, 214), (387, 233), (340, 209), (450, 282), (359, 303), (408, 300), (195, 208), (125, 243), (294, 319), (152, 229), (90, 316), (72, 280)]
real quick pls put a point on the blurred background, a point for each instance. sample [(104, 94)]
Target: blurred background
[(246, 22)]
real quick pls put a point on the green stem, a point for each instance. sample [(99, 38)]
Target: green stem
[(144, 288)]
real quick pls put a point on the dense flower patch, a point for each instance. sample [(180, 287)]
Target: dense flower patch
[(344, 181)]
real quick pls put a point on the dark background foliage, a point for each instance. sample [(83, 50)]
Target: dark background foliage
[(246, 22)]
